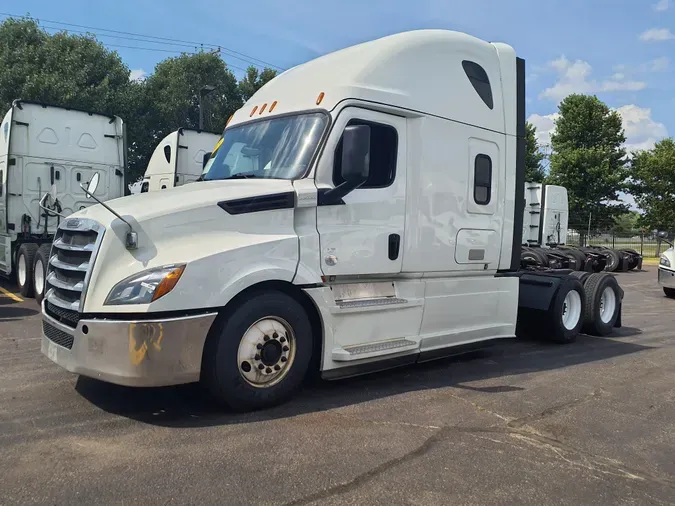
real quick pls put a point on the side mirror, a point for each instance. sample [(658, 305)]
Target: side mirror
[(206, 159), (93, 184), (662, 234), (356, 153)]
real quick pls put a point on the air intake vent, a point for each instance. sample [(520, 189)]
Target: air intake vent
[(57, 336), (259, 203)]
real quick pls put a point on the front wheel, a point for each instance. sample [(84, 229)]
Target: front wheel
[(257, 354), (670, 292), (603, 301)]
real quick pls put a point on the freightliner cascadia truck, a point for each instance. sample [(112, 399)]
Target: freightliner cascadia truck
[(374, 221)]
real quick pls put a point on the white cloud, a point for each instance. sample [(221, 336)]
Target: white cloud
[(138, 75), (657, 35), (573, 77), (545, 126), (662, 5), (642, 131), (657, 65)]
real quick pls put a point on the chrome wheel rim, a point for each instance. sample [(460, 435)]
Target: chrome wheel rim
[(607, 304), (571, 310), (21, 270), (39, 277), (266, 352)]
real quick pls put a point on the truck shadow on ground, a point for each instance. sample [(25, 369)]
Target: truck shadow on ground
[(11, 310), (188, 406)]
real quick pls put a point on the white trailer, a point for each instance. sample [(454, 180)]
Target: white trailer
[(374, 220), (178, 159), (50, 149)]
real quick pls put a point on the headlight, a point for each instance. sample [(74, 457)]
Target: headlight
[(146, 286), (664, 261)]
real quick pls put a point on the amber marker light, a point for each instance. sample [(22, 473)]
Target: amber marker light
[(168, 283)]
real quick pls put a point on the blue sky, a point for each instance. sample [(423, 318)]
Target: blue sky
[(622, 50)]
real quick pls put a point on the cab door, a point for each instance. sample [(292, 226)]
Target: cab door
[(361, 235)]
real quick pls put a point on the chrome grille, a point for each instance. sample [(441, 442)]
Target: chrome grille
[(57, 336), (73, 252)]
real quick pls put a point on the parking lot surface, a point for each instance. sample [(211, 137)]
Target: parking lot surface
[(518, 423)]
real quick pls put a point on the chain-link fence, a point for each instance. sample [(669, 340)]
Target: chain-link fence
[(643, 241)]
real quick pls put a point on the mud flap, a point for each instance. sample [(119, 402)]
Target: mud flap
[(617, 324)]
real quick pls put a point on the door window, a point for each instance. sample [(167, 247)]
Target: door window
[(383, 149)]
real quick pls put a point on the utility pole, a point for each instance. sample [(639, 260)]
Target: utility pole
[(205, 90)]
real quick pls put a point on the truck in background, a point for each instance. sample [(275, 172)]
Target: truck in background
[(178, 159), (353, 218), (47, 149), (545, 228), (667, 267)]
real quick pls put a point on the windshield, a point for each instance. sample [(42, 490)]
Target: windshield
[(278, 148)]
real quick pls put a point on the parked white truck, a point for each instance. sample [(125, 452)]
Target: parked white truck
[(667, 267), (374, 221), (46, 149), (178, 159)]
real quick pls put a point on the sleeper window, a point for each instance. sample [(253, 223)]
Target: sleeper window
[(383, 149), (479, 80), (482, 180), (167, 153)]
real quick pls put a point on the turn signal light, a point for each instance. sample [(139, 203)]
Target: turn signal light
[(168, 283), (320, 98)]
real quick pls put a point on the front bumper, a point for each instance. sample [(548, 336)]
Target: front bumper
[(132, 353), (666, 277)]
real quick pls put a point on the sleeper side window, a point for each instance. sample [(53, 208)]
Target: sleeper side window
[(1, 183), (479, 80), (482, 180), (383, 150), (167, 153)]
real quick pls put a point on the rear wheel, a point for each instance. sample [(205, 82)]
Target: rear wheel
[(580, 275), (40, 271), (670, 292), (603, 301), (258, 353), (613, 260), (564, 318), (24, 268)]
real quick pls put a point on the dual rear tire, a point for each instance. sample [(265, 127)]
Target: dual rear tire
[(31, 269)]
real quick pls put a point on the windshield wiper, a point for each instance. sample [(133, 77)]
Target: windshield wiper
[(242, 175)]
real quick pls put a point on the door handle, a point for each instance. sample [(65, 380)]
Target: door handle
[(394, 246)]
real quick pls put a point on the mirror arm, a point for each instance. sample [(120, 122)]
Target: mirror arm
[(132, 237), (335, 195)]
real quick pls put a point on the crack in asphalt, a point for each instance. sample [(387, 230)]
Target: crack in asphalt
[(515, 428)]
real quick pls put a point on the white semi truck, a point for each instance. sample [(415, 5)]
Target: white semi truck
[(178, 159), (667, 268), (50, 150), (374, 221)]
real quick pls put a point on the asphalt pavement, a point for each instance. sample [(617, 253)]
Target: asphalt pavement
[(518, 423)]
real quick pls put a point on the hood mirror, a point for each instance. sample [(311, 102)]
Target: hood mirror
[(93, 184)]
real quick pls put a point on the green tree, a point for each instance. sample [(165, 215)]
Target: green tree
[(653, 176), (62, 69), (534, 172), (589, 159), (254, 80), (627, 224)]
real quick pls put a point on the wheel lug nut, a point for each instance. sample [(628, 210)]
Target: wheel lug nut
[(285, 348), (261, 367), (245, 366), (283, 359), (277, 367), (259, 346), (283, 339), (266, 338), (268, 370), (257, 357), (275, 335)]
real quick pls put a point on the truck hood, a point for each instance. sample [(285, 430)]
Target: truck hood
[(185, 225), (146, 206)]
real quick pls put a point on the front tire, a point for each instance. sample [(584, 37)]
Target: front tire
[(670, 292), (24, 268), (40, 272), (257, 353)]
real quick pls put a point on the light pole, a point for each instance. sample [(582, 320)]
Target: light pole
[(205, 90)]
